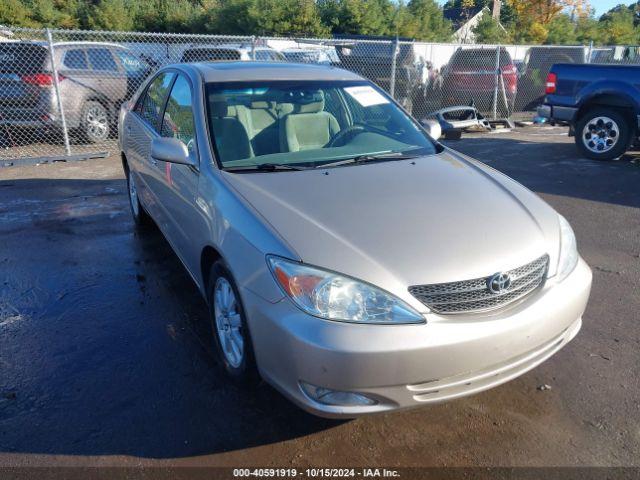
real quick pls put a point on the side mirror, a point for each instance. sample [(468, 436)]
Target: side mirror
[(433, 128), (171, 150)]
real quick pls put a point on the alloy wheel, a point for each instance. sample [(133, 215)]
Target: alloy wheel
[(600, 134), (228, 322)]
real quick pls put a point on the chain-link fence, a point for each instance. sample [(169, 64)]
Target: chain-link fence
[(60, 91)]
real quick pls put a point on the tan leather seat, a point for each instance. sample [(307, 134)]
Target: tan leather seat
[(308, 126), (232, 140)]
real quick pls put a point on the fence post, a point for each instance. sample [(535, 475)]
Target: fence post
[(590, 52), (392, 82), (497, 81), (253, 47), (56, 84)]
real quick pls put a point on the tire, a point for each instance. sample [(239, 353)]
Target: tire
[(603, 134), (229, 325), (140, 216), (95, 123)]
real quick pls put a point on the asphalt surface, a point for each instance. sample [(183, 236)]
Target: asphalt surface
[(105, 352)]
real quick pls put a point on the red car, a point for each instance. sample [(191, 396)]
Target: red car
[(471, 75)]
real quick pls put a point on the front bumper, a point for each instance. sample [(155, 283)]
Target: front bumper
[(409, 365)]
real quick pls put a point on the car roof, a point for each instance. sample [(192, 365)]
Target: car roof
[(227, 46), (254, 71), (68, 44)]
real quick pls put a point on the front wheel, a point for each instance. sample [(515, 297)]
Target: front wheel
[(603, 134), (140, 216), (231, 335)]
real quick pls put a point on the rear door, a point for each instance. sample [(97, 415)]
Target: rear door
[(178, 189), (21, 68), (109, 79), (141, 126)]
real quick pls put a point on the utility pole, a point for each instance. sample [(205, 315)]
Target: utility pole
[(495, 13)]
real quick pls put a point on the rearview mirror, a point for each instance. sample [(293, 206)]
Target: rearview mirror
[(433, 128), (171, 150)]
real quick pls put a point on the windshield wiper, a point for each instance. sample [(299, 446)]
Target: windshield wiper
[(369, 158), (266, 167)]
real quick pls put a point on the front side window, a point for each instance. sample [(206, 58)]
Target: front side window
[(102, 60), (268, 56), (308, 124), (177, 121), (151, 104)]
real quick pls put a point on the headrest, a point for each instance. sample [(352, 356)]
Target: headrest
[(305, 101), (313, 107), (260, 104), (219, 108), (285, 109)]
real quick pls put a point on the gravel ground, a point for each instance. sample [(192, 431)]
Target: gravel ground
[(105, 358)]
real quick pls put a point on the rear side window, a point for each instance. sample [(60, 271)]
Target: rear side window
[(22, 58), (210, 55), (266, 55), (101, 59), (75, 59), (480, 58), (150, 108), (177, 121)]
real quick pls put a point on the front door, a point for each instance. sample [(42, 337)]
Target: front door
[(140, 130), (179, 186)]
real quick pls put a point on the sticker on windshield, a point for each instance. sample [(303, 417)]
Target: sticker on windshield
[(366, 95)]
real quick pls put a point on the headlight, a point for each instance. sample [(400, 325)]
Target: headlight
[(335, 297), (568, 258)]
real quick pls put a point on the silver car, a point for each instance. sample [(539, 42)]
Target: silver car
[(346, 256)]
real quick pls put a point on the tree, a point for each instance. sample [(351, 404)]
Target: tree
[(429, 23), (363, 17), (266, 17), (617, 27), (15, 13), (489, 31), (115, 15), (561, 31)]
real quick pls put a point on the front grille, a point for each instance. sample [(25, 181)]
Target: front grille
[(474, 295)]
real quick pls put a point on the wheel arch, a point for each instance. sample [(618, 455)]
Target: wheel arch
[(208, 256), (613, 100)]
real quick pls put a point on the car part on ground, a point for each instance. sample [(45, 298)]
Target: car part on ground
[(457, 119)]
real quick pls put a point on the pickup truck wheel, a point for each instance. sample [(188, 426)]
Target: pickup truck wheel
[(602, 134), (230, 331)]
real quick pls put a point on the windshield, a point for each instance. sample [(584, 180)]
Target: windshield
[(307, 124)]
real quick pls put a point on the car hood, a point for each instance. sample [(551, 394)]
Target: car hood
[(439, 218)]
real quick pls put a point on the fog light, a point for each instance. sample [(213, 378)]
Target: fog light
[(336, 397)]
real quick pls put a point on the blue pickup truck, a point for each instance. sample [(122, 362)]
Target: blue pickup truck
[(600, 103)]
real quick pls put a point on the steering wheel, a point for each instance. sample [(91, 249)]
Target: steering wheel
[(350, 131)]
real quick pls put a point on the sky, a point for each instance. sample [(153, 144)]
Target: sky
[(603, 6)]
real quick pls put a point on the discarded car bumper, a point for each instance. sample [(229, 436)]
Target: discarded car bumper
[(377, 368)]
